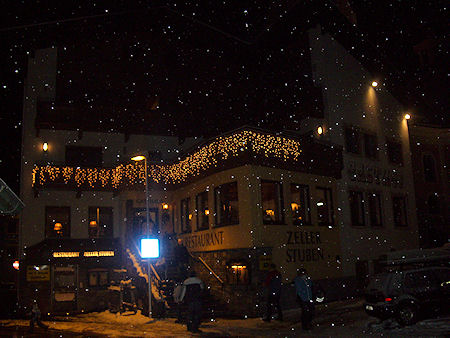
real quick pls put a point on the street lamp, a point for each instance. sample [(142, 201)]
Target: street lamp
[(137, 159)]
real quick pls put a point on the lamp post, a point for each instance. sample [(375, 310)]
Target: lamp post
[(140, 158)]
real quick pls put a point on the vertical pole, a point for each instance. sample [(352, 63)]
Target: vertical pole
[(148, 234)]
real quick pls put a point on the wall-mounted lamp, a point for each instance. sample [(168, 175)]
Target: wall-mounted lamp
[(206, 212), (407, 116), (319, 130), (165, 206), (45, 146), (374, 84)]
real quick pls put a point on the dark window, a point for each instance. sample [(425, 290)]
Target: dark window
[(420, 280), (375, 210), (154, 156), (84, 156), (433, 204), (356, 201), (98, 277), (237, 274), (325, 213), (429, 170), (57, 221), (13, 225), (352, 140), (100, 222), (300, 204), (272, 202), (227, 206), (370, 146), (186, 216), (394, 152), (202, 211), (399, 209)]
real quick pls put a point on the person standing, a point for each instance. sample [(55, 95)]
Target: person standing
[(177, 297), (273, 285), (36, 317), (192, 294), (304, 292)]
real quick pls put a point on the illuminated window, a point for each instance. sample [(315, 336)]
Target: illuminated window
[(399, 209), (375, 210), (57, 222), (202, 211), (185, 215), (227, 205), (429, 170), (356, 201), (237, 273), (324, 204), (352, 140), (300, 204), (394, 152), (98, 277), (272, 202), (100, 222), (370, 146)]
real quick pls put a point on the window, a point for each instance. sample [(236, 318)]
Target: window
[(429, 170), (101, 222), (394, 152), (98, 277), (202, 211), (433, 204), (375, 210), (352, 140), (186, 217), (420, 280), (356, 201), (272, 202), (57, 222), (237, 273), (300, 204), (84, 156), (227, 207), (370, 146), (399, 208), (325, 214)]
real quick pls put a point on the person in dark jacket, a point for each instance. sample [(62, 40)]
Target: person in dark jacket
[(304, 292), (192, 295), (273, 286), (36, 317)]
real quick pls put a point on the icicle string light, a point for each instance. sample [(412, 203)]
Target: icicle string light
[(205, 157)]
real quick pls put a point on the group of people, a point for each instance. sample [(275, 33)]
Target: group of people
[(189, 293), (304, 295)]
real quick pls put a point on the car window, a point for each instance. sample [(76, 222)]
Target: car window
[(420, 279)]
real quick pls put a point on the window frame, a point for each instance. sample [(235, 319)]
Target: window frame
[(370, 195), (216, 207), (331, 208), (403, 206), (360, 206), (307, 204), (200, 213), (111, 230), (368, 154), (392, 146), (97, 272), (185, 222), (47, 228), (351, 142), (279, 203)]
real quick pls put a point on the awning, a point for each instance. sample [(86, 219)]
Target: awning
[(10, 204)]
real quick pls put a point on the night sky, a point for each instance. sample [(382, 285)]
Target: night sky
[(233, 58)]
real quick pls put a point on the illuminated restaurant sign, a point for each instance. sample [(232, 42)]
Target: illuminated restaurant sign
[(74, 254)]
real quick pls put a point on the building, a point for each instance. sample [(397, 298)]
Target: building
[(429, 154), (331, 199)]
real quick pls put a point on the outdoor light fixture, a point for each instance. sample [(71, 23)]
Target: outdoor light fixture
[(206, 212), (16, 265), (319, 130), (319, 204), (138, 158), (165, 206), (407, 116), (45, 146), (374, 84), (149, 248)]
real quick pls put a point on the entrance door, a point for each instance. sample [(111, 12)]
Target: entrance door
[(64, 288), (139, 225)]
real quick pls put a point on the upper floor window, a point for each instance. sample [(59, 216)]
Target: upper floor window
[(272, 202), (202, 211), (429, 169), (356, 201), (84, 156), (57, 221), (434, 204), (101, 222), (352, 140), (227, 205), (375, 209), (325, 213), (186, 216), (394, 152), (399, 209), (370, 146), (300, 204)]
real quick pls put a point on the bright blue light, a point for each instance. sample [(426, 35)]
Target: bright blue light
[(149, 248)]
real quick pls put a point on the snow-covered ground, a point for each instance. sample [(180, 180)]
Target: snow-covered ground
[(335, 319)]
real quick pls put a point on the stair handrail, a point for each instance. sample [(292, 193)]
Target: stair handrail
[(208, 267)]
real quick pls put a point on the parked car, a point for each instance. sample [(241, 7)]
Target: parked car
[(409, 294)]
